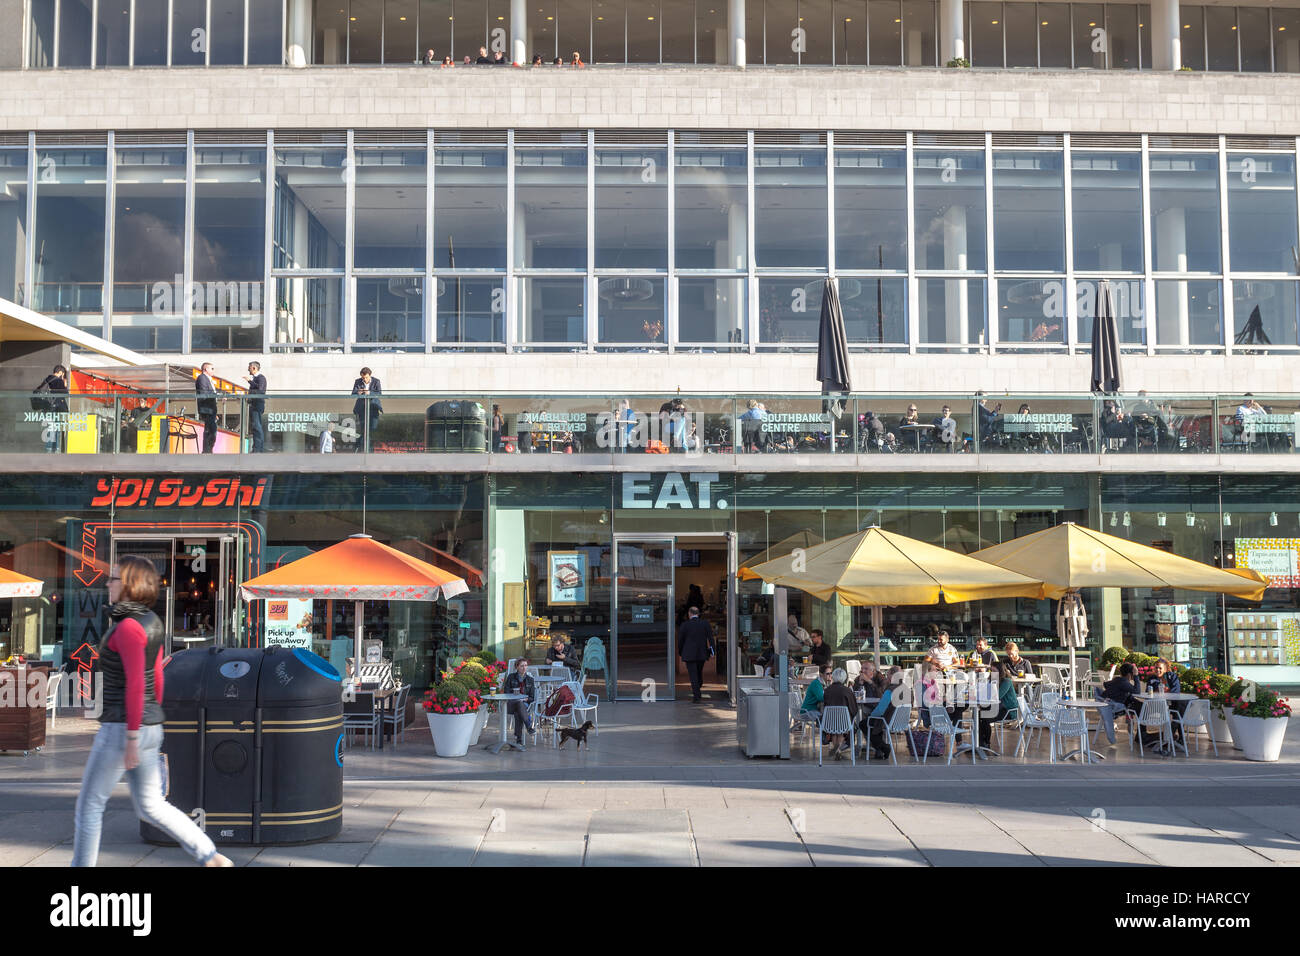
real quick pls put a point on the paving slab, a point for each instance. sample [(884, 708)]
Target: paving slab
[(639, 822), (640, 849), (754, 850), (403, 848), (313, 854), (523, 851)]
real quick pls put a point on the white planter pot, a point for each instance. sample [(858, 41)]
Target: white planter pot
[(1260, 738), (482, 716), (451, 733), (1222, 729)]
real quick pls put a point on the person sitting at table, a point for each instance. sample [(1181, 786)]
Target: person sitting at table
[(1020, 666), (910, 417), (821, 651), (932, 692), (752, 438), (1119, 694), (766, 661), (988, 417), (1116, 424), (983, 655), (875, 729), (521, 711), (1166, 678), (942, 652), (815, 695), (945, 424), (1008, 706), (798, 639), (561, 653), (869, 681), (838, 694)]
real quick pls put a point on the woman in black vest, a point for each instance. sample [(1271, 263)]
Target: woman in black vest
[(130, 734)]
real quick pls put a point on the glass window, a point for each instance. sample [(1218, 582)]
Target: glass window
[(1144, 34), (69, 236), (1020, 28), (875, 309), (790, 208), (632, 209), (40, 52), (951, 312), (309, 313), (1028, 212), (1054, 35), (918, 32), (711, 198), (711, 311), (1107, 207), (149, 249), (632, 310), (608, 32), (469, 209), (229, 247), (150, 32), (329, 32), (1192, 34), (13, 223), (390, 312), (551, 311), (1130, 310), (1089, 36), (399, 32), (851, 32), (1277, 308), (389, 223), (551, 209), (754, 15), (1185, 212), (870, 209), (950, 210), (1221, 37), (985, 44), (1188, 313), (74, 32), (1031, 310), (113, 33), (712, 41), (365, 31), (1252, 24), (572, 29), (789, 310), (885, 32), (310, 197), (226, 42), (781, 21), (1286, 41), (471, 309), (1122, 35), (498, 27), (1261, 212), (679, 30), (643, 23), (815, 22), (265, 32), (435, 28), (190, 31)]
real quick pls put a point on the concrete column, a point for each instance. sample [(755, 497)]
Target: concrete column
[(952, 30), (957, 311), (1172, 321), (736, 29), (1112, 621), (1166, 35), (298, 42), (519, 32), (11, 41)]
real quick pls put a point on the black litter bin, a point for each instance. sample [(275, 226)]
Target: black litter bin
[(455, 426), (254, 738)]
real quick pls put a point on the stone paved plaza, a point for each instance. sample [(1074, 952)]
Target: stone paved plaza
[(666, 784)]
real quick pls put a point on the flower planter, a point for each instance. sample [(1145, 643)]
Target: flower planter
[(1222, 730), (451, 732), (1259, 738), (481, 719)]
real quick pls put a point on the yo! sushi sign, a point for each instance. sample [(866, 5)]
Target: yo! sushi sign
[(288, 623)]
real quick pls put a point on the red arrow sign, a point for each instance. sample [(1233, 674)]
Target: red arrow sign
[(85, 656), (88, 574)]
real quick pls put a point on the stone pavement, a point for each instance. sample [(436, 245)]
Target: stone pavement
[(666, 785)]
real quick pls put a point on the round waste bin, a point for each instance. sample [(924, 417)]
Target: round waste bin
[(455, 426), (254, 739)]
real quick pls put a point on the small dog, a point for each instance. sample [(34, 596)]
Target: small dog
[(576, 734)]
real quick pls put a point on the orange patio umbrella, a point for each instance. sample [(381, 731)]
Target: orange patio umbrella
[(13, 585), (357, 569)]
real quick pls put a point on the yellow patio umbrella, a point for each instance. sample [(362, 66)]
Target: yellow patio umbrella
[(874, 568), (800, 539), (1069, 557)]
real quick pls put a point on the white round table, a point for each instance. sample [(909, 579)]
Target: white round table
[(1082, 704), (505, 741)]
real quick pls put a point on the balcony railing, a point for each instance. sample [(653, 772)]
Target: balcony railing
[(760, 424)]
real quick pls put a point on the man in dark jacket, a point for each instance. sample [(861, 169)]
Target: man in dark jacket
[(1119, 693), (367, 408), (256, 406), (207, 406), (520, 710), (821, 651), (56, 384), (694, 647)]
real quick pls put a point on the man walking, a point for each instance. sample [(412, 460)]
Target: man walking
[(694, 647), (256, 406), (207, 406), (367, 408)]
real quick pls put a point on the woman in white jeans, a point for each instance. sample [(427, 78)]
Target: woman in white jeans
[(130, 736)]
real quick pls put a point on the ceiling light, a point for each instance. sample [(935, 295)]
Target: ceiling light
[(1114, 519), (1227, 520), (1128, 520), (1191, 520), (1161, 518), (1044, 23), (1272, 519)]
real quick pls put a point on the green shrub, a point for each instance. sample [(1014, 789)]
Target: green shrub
[(1138, 659), (1194, 675), (487, 657), (1220, 683), (1112, 656)]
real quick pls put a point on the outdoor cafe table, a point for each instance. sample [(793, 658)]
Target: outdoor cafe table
[(916, 430), (974, 705), (505, 740), (1085, 705), (1164, 695)]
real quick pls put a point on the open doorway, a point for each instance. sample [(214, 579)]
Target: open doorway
[(702, 581)]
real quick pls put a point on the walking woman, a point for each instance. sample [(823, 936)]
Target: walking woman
[(130, 734)]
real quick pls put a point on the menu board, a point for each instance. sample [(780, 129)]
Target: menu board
[(566, 577), (1275, 558)]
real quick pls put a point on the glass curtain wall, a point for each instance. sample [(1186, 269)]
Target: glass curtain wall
[(469, 240), (149, 291), (13, 224), (229, 248)]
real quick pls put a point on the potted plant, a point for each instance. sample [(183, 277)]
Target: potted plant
[(1258, 719), (452, 710), (482, 679), (1212, 686), (958, 63)]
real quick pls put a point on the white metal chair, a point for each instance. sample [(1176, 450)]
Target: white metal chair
[(810, 671), (1037, 719), (552, 721), (396, 718), (360, 714), (1154, 715), (1012, 720), (584, 706), (852, 668), (836, 720), (1070, 723), (1196, 715), (899, 723), (941, 724), (52, 696), (800, 721)]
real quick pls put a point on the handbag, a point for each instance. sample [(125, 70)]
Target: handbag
[(40, 403)]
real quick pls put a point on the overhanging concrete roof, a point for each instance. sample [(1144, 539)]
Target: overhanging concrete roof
[(20, 324)]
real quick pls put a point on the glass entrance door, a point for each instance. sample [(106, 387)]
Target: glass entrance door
[(196, 595), (159, 553), (644, 656)]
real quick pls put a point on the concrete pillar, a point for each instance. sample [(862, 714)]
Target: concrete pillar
[(1166, 35), (519, 33), (952, 30), (1172, 321), (1112, 621), (736, 29), (298, 42), (957, 311), (11, 40)]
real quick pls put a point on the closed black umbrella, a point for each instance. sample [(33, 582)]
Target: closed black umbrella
[(832, 344), (1105, 342)]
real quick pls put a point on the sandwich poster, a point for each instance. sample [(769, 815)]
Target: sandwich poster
[(566, 577)]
